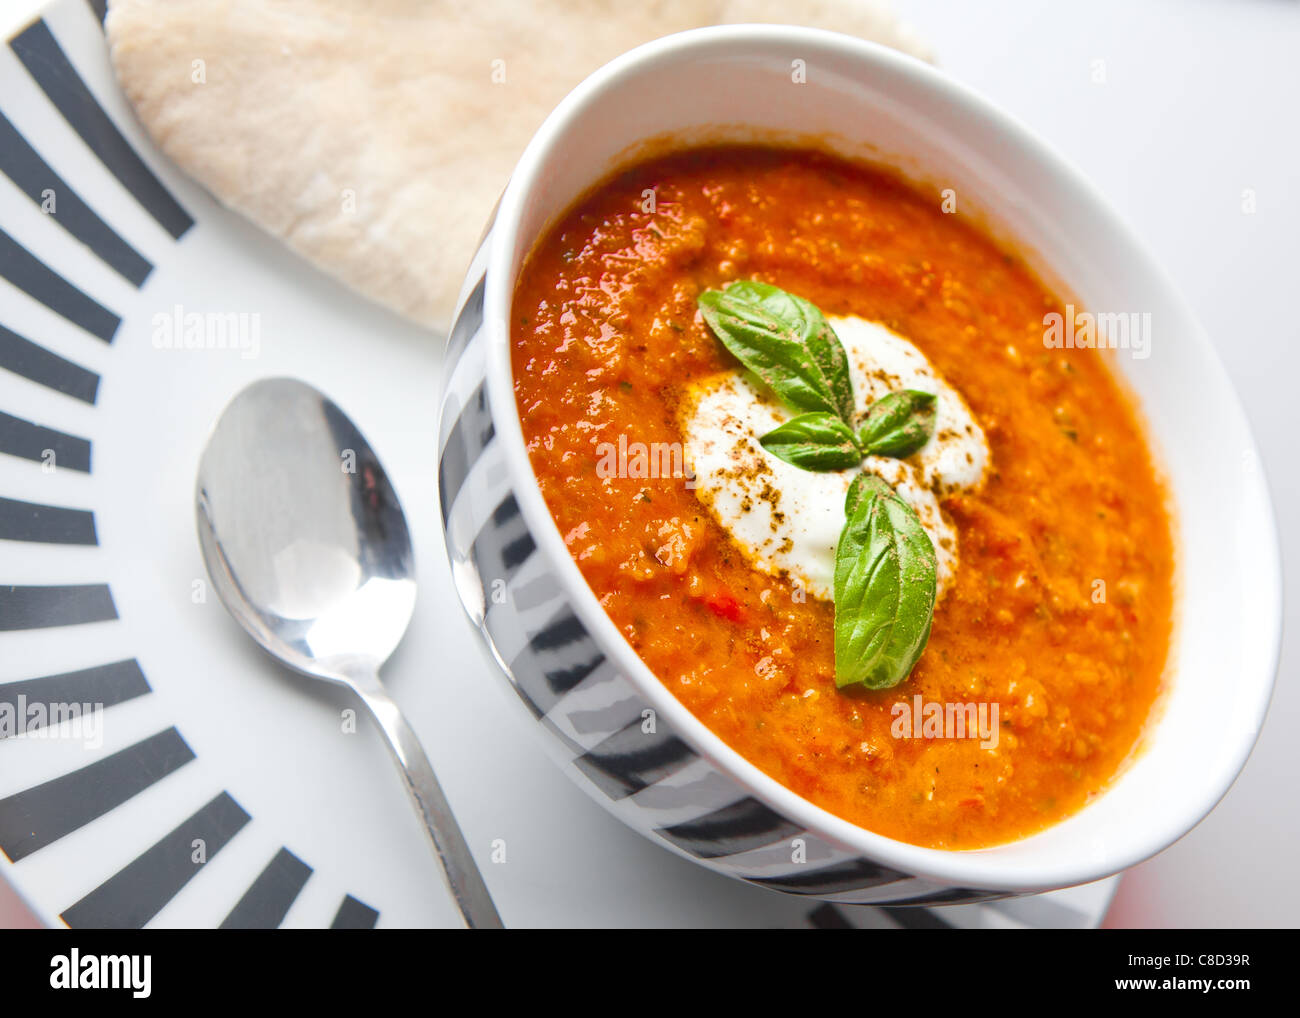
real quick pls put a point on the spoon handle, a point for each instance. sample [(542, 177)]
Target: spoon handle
[(463, 876)]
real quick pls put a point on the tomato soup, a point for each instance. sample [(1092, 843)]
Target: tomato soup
[(1056, 619)]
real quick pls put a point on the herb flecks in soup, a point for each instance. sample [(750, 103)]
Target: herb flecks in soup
[(1056, 585)]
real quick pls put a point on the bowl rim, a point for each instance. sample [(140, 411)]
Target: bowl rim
[(977, 868)]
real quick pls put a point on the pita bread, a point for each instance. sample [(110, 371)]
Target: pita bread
[(370, 135)]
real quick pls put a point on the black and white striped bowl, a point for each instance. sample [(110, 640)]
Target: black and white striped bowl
[(675, 781)]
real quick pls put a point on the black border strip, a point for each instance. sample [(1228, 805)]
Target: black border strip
[(47, 607), (24, 166), (42, 283), (503, 545), (140, 891), (39, 816), (952, 896), (37, 364), (468, 322), (266, 903), (46, 62), (854, 875), (108, 684), (467, 441), (32, 441), (744, 825), (45, 524), (540, 684), (354, 915), (631, 759)]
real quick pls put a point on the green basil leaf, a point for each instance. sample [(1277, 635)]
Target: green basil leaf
[(817, 441), (813, 331), (770, 347), (861, 485), (899, 424), (885, 585)]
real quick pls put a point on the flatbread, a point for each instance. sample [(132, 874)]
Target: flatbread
[(370, 135)]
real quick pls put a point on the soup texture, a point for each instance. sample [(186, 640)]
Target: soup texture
[(1051, 637)]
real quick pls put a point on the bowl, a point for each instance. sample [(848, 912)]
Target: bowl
[(608, 721)]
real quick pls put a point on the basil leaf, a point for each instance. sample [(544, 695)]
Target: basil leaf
[(813, 331), (818, 441), (861, 485), (770, 347), (899, 424), (885, 585)]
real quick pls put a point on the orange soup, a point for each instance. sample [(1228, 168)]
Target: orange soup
[(1055, 621)]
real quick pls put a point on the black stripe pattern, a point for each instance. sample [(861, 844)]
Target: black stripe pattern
[(744, 825), (42, 283), (469, 436), (632, 759), (46, 62), (41, 815), (857, 874), (140, 891), (558, 657), (354, 915), (467, 323), (45, 524), (267, 902), (107, 685), (33, 362), (47, 607), (50, 448), (953, 896), (23, 165), (503, 545)]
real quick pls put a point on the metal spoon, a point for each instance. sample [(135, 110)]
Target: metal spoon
[(308, 548)]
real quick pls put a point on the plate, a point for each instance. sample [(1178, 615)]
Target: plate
[(156, 768)]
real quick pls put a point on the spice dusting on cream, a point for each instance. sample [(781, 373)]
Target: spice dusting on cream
[(788, 520)]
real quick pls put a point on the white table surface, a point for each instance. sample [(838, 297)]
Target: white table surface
[(1197, 106)]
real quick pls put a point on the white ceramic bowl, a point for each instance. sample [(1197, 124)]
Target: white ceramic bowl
[(683, 786)]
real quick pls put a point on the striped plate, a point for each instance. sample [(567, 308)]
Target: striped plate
[(155, 769)]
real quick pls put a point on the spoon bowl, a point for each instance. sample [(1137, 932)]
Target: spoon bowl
[(314, 556)]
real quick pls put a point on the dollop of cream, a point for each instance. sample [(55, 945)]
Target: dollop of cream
[(787, 520)]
